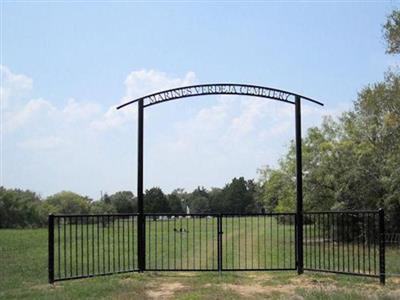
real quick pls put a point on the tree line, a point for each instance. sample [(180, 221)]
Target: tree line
[(26, 209)]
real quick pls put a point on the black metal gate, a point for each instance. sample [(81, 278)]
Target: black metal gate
[(350, 242)]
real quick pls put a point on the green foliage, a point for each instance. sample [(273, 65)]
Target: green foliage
[(175, 204), (19, 209), (123, 202), (351, 163), (155, 201), (67, 202), (392, 32)]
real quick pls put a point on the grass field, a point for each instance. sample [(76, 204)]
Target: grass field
[(23, 268)]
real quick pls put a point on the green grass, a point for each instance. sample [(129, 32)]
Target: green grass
[(23, 267)]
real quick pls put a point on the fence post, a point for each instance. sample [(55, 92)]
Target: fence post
[(299, 188), (51, 247), (141, 218), (382, 246), (219, 242)]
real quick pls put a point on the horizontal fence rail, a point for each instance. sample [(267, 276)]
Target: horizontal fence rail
[(348, 242), (258, 242)]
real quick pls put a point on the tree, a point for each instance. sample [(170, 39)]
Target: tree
[(155, 201), (175, 204), (123, 202), (238, 196), (67, 202), (392, 32), (20, 209), (199, 201)]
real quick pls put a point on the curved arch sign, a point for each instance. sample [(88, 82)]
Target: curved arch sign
[(220, 89)]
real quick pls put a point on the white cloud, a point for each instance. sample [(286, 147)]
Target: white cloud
[(143, 82), (76, 111), (138, 84), (13, 85), (35, 108)]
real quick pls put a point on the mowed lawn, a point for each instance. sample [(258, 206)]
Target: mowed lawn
[(255, 242)]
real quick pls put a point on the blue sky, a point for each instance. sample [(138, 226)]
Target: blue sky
[(65, 66)]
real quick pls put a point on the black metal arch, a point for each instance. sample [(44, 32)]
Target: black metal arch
[(221, 89)]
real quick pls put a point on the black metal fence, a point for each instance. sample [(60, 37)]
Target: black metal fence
[(91, 245), (258, 242), (339, 242), (348, 242)]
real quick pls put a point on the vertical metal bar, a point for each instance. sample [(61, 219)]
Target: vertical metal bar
[(258, 241), (123, 244), (284, 242), (265, 242), (175, 243), (87, 246), (277, 242), (76, 246), (348, 239), (358, 243), (245, 242), (343, 240), (319, 241), (299, 186), (113, 233), (119, 246), (168, 242), (233, 235), (270, 238), (59, 246), (108, 235), (364, 240), (240, 234), (51, 248), (333, 241), (133, 242), (129, 244), (219, 242), (352, 241), (141, 220), (374, 233), (104, 249), (295, 240), (70, 246), (162, 243), (155, 241), (226, 241), (382, 246), (82, 245), (65, 246), (213, 242), (369, 243)]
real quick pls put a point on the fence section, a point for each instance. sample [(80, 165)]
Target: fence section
[(89, 245), (258, 242), (181, 242), (350, 242)]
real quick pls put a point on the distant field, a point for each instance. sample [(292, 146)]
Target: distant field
[(23, 271)]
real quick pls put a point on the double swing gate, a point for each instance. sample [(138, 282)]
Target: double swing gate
[(83, 246)]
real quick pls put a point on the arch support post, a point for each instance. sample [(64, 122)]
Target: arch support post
[(299, 188), (141, 220)]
